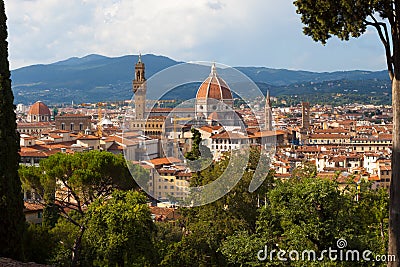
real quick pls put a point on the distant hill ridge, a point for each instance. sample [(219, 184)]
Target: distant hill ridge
[(99, 78)]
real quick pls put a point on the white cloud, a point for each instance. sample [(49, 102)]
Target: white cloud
[(253, 32)]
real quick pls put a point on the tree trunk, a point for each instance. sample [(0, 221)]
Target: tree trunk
[(394, 205), (76, 249)]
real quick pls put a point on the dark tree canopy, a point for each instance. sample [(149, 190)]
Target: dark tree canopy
[(12, 221), (72, 182), (350, 18)]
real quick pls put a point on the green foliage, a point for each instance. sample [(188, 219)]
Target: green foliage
[(87, 176), (240, 248), (206, 227), (312, 214), (69, 184), (200, 156), (12, 223), (38, 243), (343, 19), (167, 234), (306, 170), (65, 233), (120, 229), (140, 174), (196, 140)]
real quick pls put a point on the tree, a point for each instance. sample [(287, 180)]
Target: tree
[(196, 140), (206, 227), (72, 182), (12, 221), (311, 214), (350, 18), (306, 170), (120, 229), (200, 156), (39, 243)]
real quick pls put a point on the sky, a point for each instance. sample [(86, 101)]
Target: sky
[(232, 32)]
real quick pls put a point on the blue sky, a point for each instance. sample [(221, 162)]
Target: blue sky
[(236, 33)]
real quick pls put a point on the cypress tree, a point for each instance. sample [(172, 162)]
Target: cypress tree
[(12, 219)]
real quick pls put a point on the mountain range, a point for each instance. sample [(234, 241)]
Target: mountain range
[(96, 78)]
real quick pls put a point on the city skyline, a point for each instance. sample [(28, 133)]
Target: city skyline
[(251, 33)]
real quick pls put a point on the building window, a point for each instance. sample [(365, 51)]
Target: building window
[(81, 126), (71, 126), (62, 126)]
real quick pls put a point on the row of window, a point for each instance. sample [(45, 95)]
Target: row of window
[(178, 188), (372, 141), (72, 126), (30, 130), (220, 147), (177, 193), (43, 118), (141, 125), (226, 141)]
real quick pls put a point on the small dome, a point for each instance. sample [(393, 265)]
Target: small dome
[(40, 109), (214, 87), (106, 122)]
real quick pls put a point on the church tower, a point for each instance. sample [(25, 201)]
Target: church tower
[(268, 113), (305, 115), (139, 88)]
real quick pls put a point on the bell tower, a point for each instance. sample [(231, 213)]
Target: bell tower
[(139, 89), (268, 113)]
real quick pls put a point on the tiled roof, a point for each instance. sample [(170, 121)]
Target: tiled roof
[(28, 207), (229, 135), (39, 108), (329, 136), (164, 161)]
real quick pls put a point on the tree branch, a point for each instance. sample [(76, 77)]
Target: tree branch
[(75, 196), (66, 216), (384, 37)]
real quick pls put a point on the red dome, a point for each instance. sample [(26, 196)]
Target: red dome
[(214, 87), (39, 108)]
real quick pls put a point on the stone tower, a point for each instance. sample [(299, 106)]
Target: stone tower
[(268, 113), (139, 88), (305, 115)]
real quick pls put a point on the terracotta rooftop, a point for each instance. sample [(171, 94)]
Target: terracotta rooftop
[(214, 87), (164, 161), (39, 108), (229, 135), (32, 206), (329, 136)]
